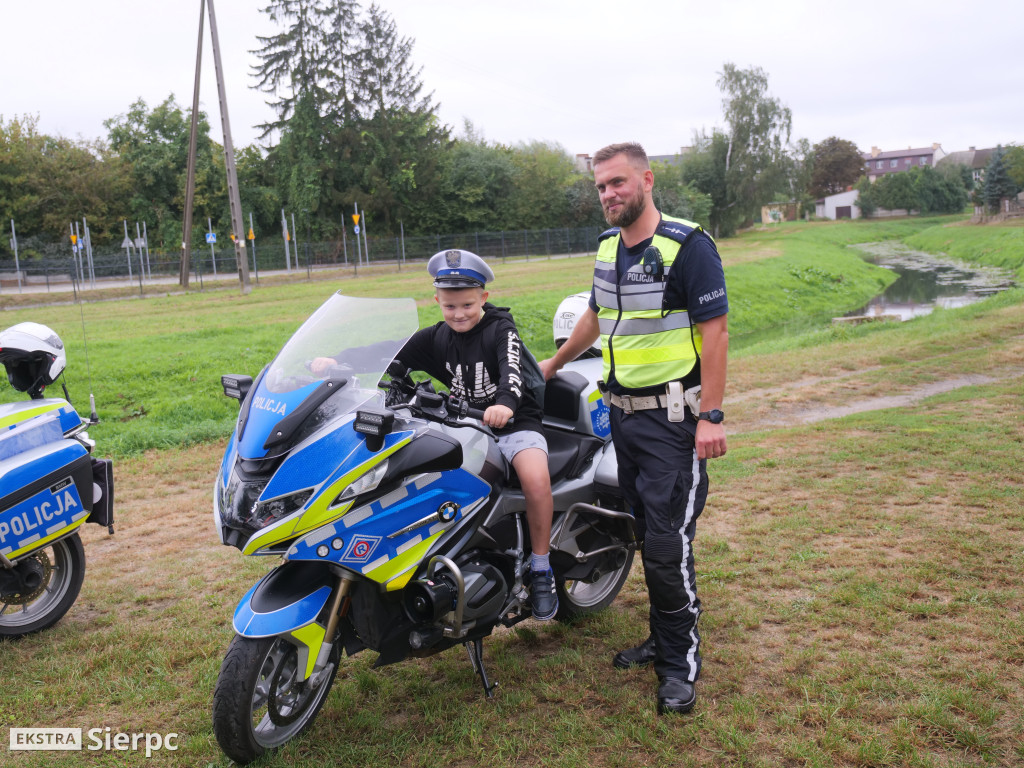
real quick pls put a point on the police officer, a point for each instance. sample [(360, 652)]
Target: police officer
[(659, 306)]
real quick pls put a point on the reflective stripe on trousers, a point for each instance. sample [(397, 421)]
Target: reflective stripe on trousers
[(666, 485)]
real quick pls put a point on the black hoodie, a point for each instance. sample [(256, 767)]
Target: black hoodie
[(480, 365)]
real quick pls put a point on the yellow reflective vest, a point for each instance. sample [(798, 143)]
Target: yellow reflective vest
[(643, 344)]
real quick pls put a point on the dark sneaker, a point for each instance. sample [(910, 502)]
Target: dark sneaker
[(543, 598)]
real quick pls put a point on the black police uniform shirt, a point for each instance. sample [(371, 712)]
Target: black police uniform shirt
[(696, 282), (481, 365)]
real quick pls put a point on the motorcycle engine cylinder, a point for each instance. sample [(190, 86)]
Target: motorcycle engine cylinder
[(428, 600)]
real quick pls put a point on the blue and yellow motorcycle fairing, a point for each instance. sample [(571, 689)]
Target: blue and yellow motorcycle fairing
[(396, 523), (49, 487)]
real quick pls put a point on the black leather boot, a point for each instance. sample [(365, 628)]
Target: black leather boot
[(640, 656), (675, 696)]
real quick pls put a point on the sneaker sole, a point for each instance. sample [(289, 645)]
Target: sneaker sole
[(549, 617)]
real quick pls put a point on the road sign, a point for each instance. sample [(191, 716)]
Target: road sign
[(140, 243), (74, 239), (357, 226), (355, 220), (252, 236), (127, 242), (211, 237)]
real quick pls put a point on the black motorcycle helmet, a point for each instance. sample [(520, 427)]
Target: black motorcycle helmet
[(33, 356)]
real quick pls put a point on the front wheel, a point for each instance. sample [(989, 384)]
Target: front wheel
[(260, 701), (578, 598), (51, 579)]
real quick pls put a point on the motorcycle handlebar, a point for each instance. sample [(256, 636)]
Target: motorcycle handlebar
[(462, 409)]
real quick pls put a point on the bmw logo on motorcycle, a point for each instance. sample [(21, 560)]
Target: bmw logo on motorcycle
[(447, 511)]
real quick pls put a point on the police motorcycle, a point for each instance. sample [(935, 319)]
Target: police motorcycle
[(397, 523), (50, 485)]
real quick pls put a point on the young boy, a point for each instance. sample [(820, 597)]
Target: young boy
[(480, 364)]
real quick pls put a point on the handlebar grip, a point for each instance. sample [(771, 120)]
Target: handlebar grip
[(476, 413)]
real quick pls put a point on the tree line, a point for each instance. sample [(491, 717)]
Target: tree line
[(352, 124)]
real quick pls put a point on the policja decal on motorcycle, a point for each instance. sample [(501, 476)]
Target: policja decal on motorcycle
[(39, 510)]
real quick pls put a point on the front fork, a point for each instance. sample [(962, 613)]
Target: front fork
[(310, 638)]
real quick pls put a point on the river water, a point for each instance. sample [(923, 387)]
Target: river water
[(926, 281)]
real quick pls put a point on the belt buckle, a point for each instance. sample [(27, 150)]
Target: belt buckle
[(627, 404)]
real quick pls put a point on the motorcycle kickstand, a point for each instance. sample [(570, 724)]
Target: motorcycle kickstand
[(476, 658)]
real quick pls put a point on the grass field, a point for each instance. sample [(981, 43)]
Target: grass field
[(861, 558), (155, 365)]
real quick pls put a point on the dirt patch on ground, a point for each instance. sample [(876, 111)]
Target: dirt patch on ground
[(801, 405)]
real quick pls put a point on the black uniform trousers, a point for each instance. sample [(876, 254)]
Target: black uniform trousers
[(666, 486)]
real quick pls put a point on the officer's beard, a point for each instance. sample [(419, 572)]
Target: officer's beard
[(629, 212)]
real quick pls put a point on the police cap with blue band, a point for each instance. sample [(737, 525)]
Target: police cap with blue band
[(456, 268)]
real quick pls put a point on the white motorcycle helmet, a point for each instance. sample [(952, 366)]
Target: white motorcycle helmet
[(33, 356), (571, 308)]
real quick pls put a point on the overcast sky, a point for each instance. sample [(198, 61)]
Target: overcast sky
[(581, 74)]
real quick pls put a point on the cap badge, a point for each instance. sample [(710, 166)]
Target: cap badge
[(453, 258)]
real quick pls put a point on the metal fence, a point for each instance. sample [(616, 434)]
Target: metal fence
[(109, 265)]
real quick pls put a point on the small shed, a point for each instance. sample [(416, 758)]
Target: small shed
[(842, 205), (773, 213)]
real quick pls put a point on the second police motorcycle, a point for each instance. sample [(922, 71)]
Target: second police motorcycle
[(50, 486), (398, 525)]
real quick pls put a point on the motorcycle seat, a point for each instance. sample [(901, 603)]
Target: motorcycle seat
[(568, 454)]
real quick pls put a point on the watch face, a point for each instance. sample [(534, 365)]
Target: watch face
[(715, 416)]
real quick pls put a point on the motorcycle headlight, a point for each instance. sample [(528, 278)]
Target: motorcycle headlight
[(238, 498), (364, 483), (272, 510)]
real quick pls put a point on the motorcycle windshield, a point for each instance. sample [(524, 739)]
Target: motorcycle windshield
[(360, 337)]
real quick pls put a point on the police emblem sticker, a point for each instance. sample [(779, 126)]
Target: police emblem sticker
[(447, 511), (361, 548), (453, 259)]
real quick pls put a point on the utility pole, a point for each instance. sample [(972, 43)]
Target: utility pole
[(237, 225), (234, 199), (190, 184)]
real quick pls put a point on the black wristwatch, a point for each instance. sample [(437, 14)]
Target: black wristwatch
[(714, 416)]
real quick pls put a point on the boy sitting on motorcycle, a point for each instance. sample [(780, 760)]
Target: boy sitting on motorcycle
[(476, 352)]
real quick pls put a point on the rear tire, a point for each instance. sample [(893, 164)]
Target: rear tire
[(61, 566), (258, 703), (580, 598)]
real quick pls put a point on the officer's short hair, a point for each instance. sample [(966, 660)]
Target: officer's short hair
[(631, 149)]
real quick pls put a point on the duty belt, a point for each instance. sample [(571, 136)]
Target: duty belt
[(630, 403)]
